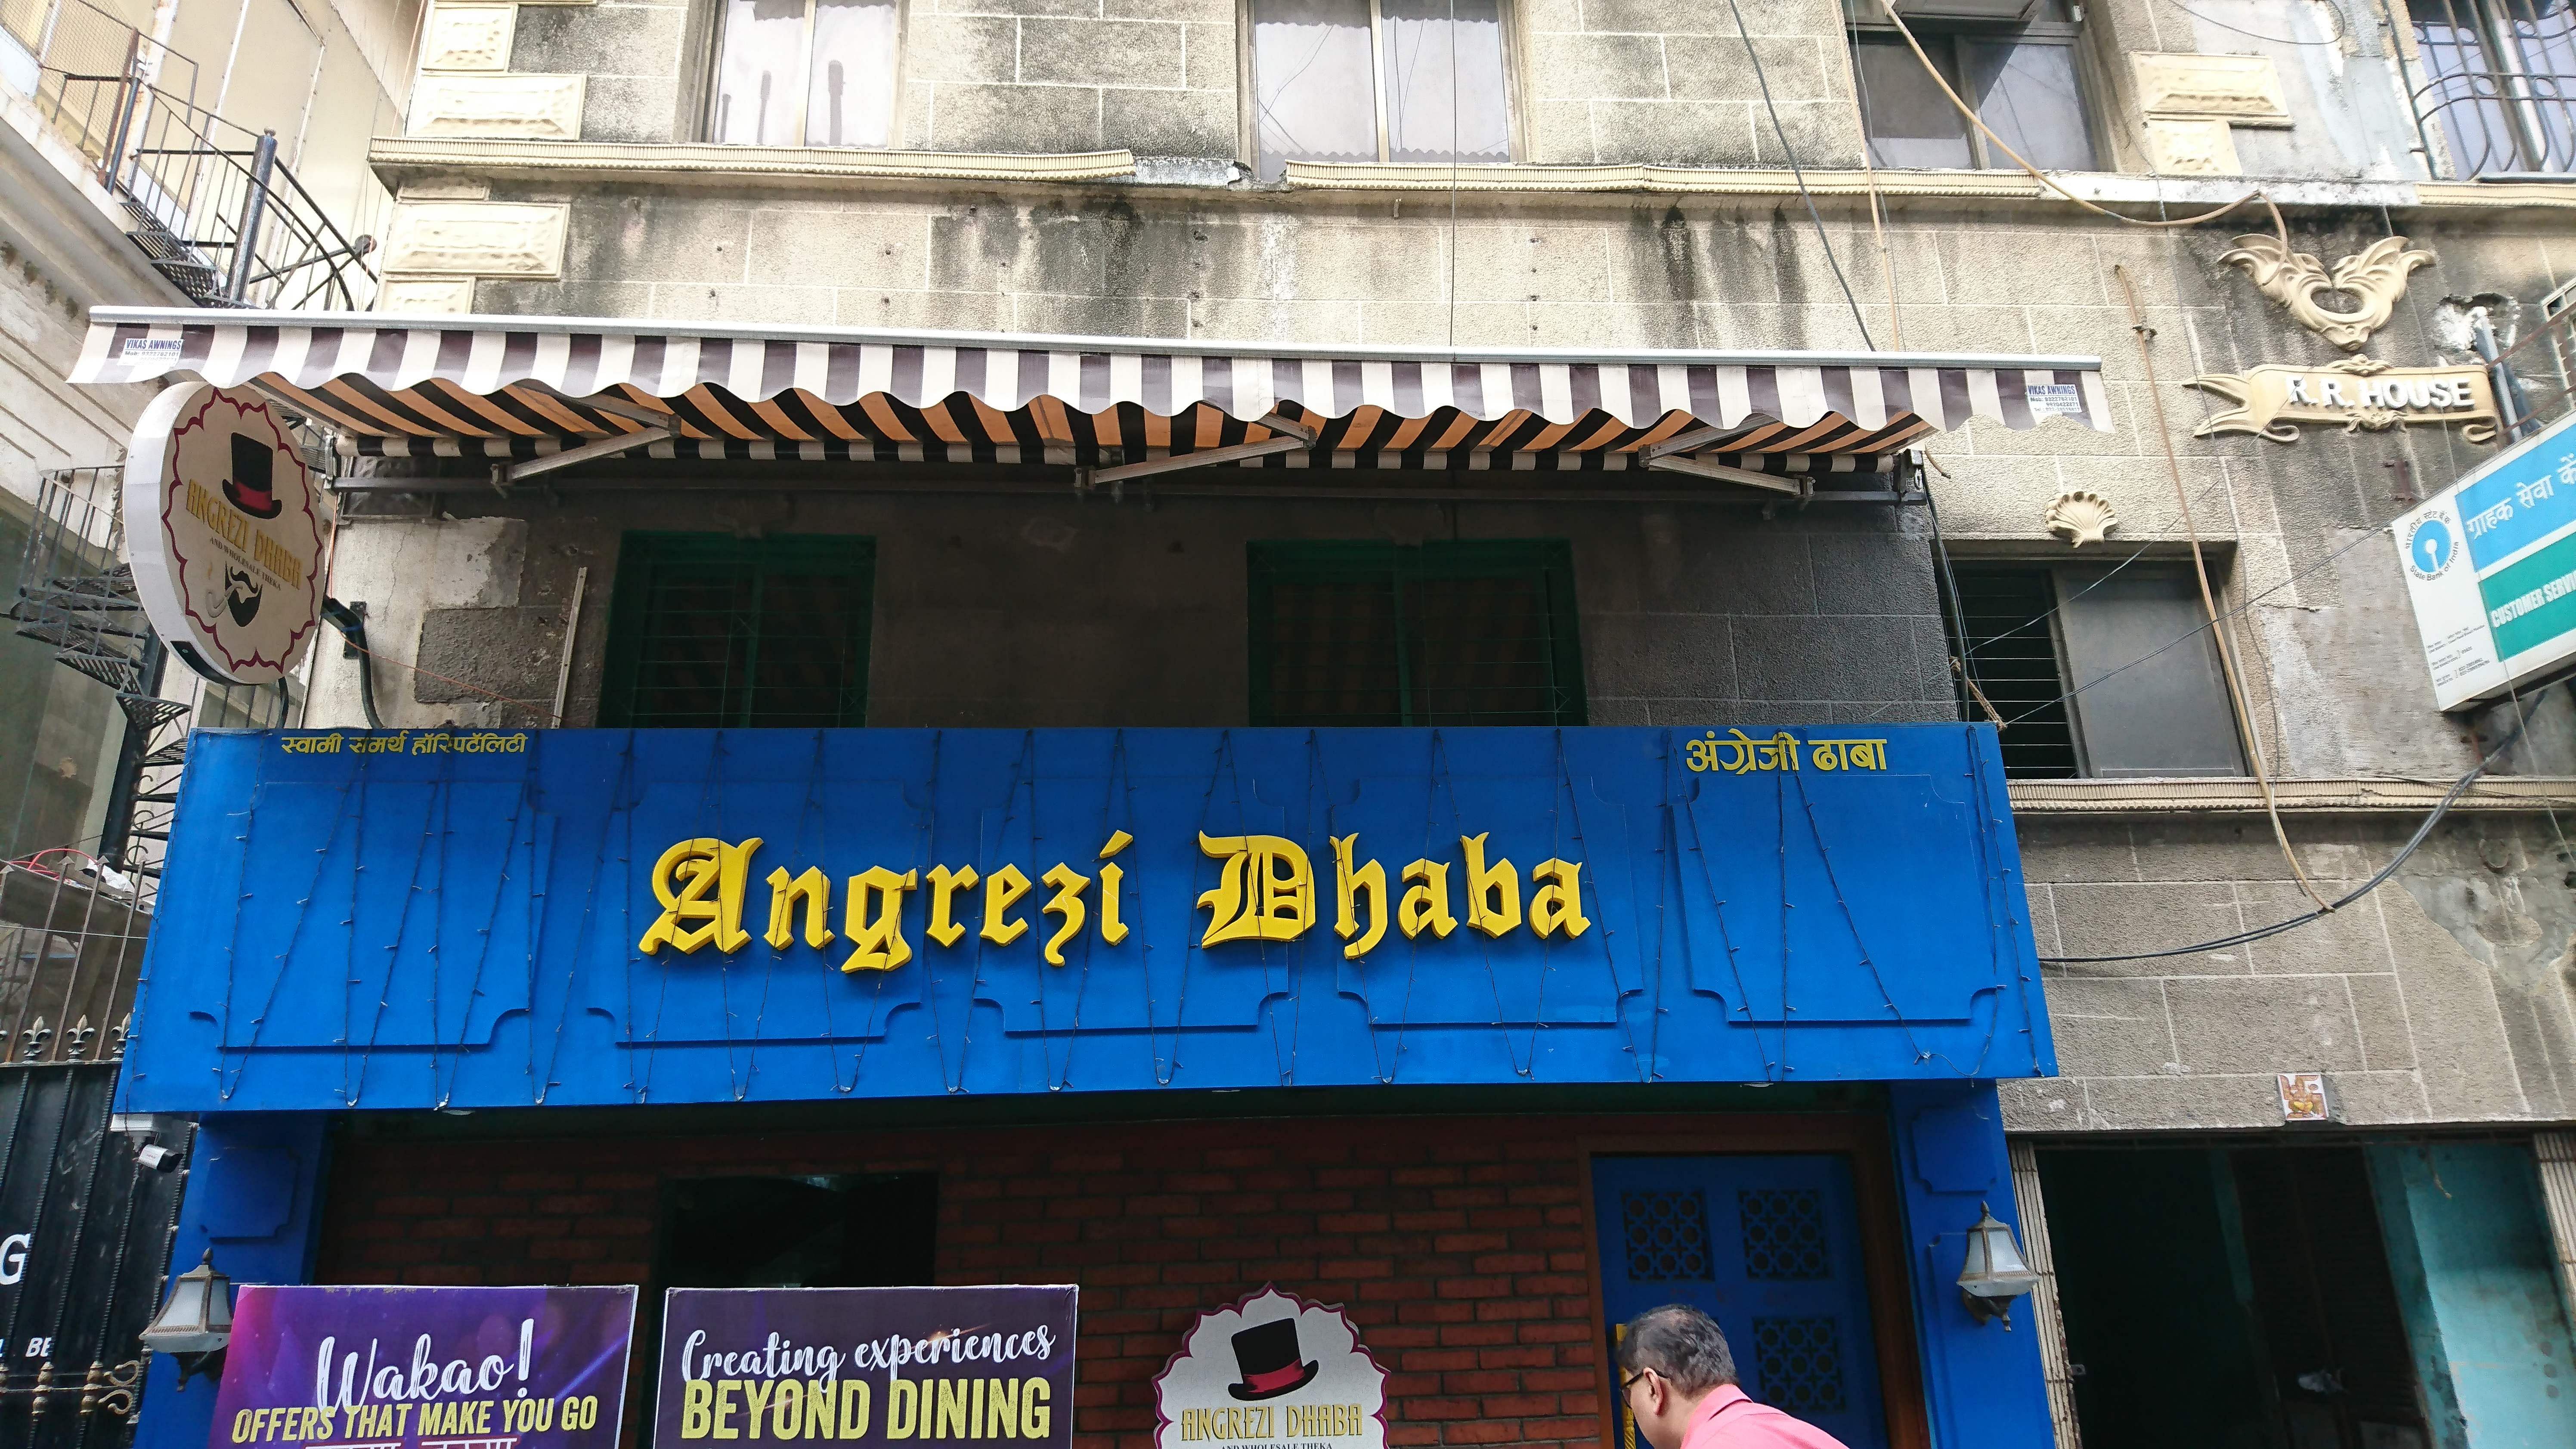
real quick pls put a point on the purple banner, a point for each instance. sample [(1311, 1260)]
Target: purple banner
[(426, 1368), (868, 1365)]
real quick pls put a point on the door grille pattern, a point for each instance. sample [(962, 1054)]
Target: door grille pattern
[(1667, 1235), (1784, 1233), (1800, 1361)]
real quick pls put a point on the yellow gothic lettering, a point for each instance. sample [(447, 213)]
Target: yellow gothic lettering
[(1001, 889), (1349, 882), (1557, 905), (1265, 892), (944, 886), (1493, 895), (877, 935), (700, 883), (1066, 902), (1112, 879), (813, 888), (1427, 904)]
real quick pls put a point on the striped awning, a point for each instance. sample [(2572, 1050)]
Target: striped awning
[(525, 387)]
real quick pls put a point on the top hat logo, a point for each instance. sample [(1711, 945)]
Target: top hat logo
[(253, 471), (1266, 1356)]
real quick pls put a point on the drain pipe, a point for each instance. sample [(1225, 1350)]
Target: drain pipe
[(351, 621)]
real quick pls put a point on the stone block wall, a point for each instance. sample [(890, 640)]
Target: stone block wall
[(2444, 996)]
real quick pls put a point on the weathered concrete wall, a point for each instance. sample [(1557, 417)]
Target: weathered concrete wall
[(1039, 611), (1659, 81), (2448, 995)]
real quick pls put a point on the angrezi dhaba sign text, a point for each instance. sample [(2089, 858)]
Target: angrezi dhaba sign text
[(1272, 1369)]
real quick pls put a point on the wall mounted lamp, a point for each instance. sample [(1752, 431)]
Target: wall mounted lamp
[(196, 1325), (1996, 1273)]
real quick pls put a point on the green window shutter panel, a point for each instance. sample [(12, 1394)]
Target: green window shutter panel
[(711, 631), (1476, 632)]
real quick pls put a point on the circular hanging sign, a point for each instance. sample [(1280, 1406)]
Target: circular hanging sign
[(1274, 1369), (223, 534)]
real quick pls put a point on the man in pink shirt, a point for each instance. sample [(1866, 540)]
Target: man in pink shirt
[(1678, 1379)]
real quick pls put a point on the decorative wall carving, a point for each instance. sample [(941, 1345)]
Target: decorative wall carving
[(2362, 394), (2243, 89), (2081, 516), (2376, 275), (476, 239), (515, 107)]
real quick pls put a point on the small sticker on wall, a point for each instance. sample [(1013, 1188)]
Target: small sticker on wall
[(2303, 1097)]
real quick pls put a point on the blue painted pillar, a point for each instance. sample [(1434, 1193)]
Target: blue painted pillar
[(254, 1196), (2477, 1282), (1982, 1382)]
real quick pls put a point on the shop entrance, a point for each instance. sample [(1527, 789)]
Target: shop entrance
[(1770, 1247)]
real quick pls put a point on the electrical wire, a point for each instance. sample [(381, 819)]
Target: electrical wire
[(1799, 174), (2413, 842), (2342, 29), (2280, 224)]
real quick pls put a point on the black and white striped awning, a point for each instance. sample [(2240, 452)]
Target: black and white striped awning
[(525, 388)]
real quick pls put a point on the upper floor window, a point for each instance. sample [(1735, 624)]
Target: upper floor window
[(2018, 72), (805, 73), (1473, 632), (2498, 78), (708, 631), (2096, 670), (1379, 80)]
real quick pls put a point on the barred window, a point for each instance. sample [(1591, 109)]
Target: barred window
[(2493, 80), (2096, 670), (1476, 632), (708, 631)]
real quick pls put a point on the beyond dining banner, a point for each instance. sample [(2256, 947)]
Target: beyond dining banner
[(868, 1365), (425, 1368), (459, 918)]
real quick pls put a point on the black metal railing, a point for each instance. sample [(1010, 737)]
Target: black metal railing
[(207, 201), (2493, 84)]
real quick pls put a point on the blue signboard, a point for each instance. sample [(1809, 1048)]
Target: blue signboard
[(402, 919)]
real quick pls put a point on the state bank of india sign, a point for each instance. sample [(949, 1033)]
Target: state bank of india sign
[(2491, 568)]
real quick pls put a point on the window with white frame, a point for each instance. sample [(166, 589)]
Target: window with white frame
[(2013, 61), (2497, 80), (1379, 80), (805, 73)]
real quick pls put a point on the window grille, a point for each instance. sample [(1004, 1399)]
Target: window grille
[(2492, 82), (1444, 633), (2096, 670), (708, 632)]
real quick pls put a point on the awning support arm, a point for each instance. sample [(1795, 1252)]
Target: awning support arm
[(506, 474), (1293, 436), (1721, 473)]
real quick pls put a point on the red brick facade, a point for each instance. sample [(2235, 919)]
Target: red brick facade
[(1458, 1245)]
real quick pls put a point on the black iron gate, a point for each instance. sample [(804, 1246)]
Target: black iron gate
[(88, 1203)]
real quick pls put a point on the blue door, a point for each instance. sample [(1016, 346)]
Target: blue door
[(1770, 1248)]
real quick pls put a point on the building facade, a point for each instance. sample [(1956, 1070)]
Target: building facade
[(891, 333)]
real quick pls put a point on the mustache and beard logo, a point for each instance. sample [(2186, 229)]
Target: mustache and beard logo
[(241, 595)]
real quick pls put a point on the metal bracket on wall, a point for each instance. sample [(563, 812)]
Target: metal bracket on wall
[(1292, 436)]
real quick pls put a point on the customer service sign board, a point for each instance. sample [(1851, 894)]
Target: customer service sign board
[(2491, 565)]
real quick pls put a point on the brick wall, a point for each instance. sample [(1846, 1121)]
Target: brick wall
[(1457, 1245)]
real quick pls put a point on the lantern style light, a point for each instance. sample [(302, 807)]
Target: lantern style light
[(196, 1325), (1996, 1273)]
